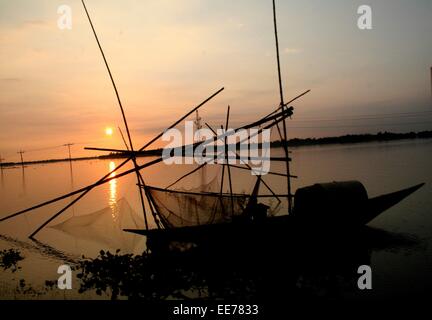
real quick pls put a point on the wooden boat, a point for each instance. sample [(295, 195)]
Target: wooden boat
[(299, 222), (335, 206)]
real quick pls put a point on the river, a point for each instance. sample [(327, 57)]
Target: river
[(382, 167)]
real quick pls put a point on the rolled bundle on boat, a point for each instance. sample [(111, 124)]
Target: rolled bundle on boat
[(333, 203)]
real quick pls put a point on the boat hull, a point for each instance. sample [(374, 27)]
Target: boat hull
[(271, 228)]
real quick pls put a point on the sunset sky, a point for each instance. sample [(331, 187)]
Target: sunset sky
[(167, 56)]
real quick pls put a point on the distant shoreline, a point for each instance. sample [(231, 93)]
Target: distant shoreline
[(355, 138), (296, 142)]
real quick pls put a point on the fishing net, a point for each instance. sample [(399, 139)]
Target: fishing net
[(104, 226), (201, 205), (186, 208)]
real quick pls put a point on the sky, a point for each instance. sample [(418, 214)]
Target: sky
[(168, 56)]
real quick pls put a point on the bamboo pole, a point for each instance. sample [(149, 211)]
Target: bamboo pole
[(122, 136), (202, 165), (138, 174), (274, 119), (289, 102), (269, 173), (248, 167), (82, 195), (227, 161), (104, 178), (187, 175), (212, 194), (282, 104)]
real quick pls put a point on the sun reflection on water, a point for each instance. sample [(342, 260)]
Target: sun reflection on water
[(112, 201)]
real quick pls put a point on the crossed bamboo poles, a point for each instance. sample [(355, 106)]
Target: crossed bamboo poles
[(273, 118), (276, 117)]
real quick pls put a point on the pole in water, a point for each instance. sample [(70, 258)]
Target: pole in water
[(21, 154), (69, 149), (1, 165)]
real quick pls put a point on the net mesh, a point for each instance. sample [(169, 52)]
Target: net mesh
[(104, 226), (201, 205), (186, 208)]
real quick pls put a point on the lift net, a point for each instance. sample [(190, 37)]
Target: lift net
[(186, 208), (201, 206)]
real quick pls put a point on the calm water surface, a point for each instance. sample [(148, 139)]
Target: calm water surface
[(98, 219)]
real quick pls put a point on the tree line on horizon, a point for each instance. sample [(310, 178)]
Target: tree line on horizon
[(295, 142)]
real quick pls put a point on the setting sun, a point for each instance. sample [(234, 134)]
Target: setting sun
[(109, 131)]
